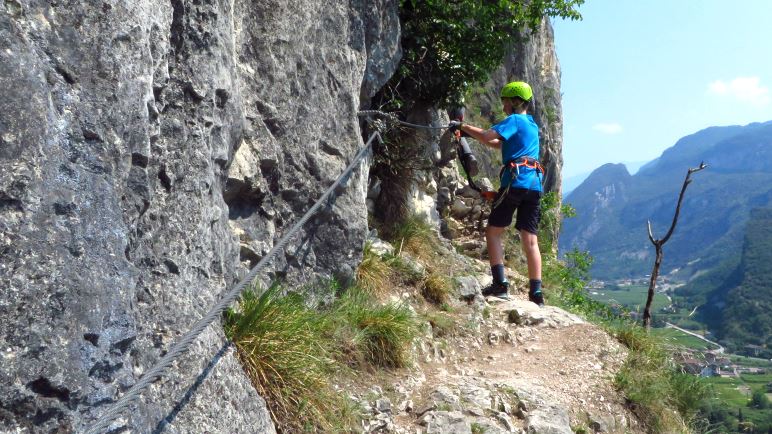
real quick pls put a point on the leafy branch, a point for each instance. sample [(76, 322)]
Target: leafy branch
[(450, 45)]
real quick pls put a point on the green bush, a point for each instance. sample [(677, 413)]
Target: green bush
[(570, 277), (449, 45), (552, 215), (759, 400)]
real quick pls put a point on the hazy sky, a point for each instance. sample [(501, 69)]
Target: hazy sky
[(639, 75)]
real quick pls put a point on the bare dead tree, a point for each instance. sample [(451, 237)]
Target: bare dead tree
[(660, 242)]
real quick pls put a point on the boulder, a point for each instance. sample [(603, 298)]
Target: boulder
[(460, 209), (468, 287), (548, 420)]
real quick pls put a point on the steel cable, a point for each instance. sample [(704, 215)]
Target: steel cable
[(179, 348), (395, 119), (182, 345)]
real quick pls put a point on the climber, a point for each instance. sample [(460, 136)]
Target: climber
[(521, 177)]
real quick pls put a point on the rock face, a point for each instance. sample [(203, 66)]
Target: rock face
[(148, 152)]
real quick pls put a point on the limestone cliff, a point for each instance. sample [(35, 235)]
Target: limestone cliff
[(149, 151)]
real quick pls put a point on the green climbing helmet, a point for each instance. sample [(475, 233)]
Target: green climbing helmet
[(518, 89)]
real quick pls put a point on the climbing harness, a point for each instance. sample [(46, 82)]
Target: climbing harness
[(513, 166), (182, 345), (527, 162)]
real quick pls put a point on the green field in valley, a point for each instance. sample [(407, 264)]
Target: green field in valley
[(679, 338), (632, 297), (752, 362), (735, 394), (730, 391)]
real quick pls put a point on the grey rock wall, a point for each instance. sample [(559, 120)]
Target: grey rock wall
[(149, 152)]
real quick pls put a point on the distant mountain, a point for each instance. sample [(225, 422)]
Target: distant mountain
[(613, 206), (570, 183), (738, 294)]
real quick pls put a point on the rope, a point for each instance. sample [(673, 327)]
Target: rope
[(187, 339), (392, 117)]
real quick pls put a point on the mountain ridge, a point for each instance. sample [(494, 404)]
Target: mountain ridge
[(738, 159), (737, 308)]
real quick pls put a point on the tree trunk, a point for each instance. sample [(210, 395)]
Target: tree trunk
[(652, 286), (661, 242)]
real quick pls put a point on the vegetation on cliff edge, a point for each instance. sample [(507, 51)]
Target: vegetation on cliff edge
[(450, 45)]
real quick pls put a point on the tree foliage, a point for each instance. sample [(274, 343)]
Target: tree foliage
[(450, 44), (552, 215), (746, 319), (759, 400)]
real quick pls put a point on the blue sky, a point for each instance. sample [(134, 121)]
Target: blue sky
[(639, 75)]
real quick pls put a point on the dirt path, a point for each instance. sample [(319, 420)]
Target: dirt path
[(548, 372)]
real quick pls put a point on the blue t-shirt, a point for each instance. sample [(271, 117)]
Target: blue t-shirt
[(521, 139)]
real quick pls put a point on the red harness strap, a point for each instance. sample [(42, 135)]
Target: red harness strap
[(527, 162)]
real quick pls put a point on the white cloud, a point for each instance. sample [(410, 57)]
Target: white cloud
[(744, 89), (608, 128)]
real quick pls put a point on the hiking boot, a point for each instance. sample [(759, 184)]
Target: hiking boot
[(536, 297), (496, 289)]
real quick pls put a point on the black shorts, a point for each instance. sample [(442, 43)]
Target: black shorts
[(525, 202)]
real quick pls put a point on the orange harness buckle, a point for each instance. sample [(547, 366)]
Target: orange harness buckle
[(526, 162)]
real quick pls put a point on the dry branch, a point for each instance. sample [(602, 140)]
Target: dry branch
[(660, 242)]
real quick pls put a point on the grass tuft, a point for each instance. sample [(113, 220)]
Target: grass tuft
[(415, 236), (406, 271), (441, 323), (291, 351), (477, 428), (654, 386), (382, 334), (278, 341), (374, 273), (437, 288)]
